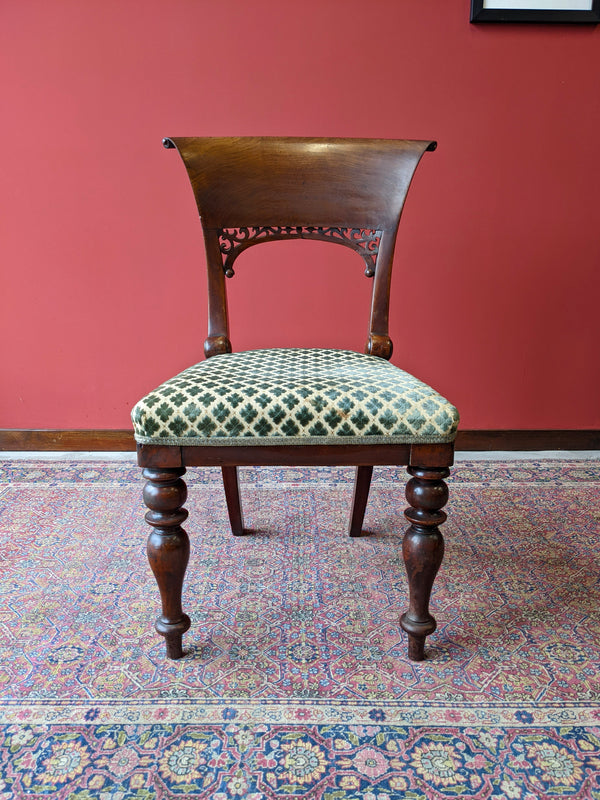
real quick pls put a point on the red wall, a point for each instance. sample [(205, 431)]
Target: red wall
[(496, 287)]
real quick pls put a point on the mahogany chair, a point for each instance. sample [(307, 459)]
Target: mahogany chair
[(296, 406)]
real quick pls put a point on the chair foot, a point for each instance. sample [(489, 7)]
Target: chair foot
[(423, 551), (417, 634), (173, 633), (362, 483), (168, 550)]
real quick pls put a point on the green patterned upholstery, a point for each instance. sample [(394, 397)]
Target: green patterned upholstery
[(293, 396)]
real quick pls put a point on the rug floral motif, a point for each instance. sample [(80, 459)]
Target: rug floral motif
[(295, 682)]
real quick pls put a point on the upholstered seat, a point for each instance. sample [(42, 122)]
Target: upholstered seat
[(301, 396)]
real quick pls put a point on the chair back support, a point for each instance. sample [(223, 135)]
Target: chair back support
[(253, 190)]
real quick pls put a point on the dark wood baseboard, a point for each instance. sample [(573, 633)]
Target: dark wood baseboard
[(529, 440), (122, 440), (14, 439)]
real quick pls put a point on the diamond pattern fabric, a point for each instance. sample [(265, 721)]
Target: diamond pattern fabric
[(293, 396)]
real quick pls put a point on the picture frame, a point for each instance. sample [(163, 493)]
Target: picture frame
[(535, 11)]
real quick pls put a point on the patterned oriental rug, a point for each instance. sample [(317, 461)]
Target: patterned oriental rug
[(296, 682)]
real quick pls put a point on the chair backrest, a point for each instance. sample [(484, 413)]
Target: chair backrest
[(251, 190)]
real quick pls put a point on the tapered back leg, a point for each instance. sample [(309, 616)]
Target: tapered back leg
[(232, 497), (362, 483)]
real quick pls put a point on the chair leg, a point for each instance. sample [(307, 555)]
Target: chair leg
[(168, 550), (232, 496), (362, 483), (423, 551)]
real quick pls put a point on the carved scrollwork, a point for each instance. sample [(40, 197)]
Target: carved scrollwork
[(233, 241)]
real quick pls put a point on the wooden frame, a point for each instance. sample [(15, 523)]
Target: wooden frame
[(422, 547), (535, 11)]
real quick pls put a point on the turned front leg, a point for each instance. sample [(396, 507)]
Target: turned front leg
[(423, 550), (168, 550)]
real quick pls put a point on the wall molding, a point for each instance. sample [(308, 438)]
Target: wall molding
[(122, 440), (528, 440), (107, 440)]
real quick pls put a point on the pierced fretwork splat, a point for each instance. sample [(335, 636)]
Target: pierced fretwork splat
[(233, 241)]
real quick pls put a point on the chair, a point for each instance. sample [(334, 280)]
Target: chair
[(296, 406)]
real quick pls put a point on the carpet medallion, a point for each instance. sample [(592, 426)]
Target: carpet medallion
[(295, 682)]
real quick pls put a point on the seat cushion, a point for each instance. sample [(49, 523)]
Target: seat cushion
[(293, 396)]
